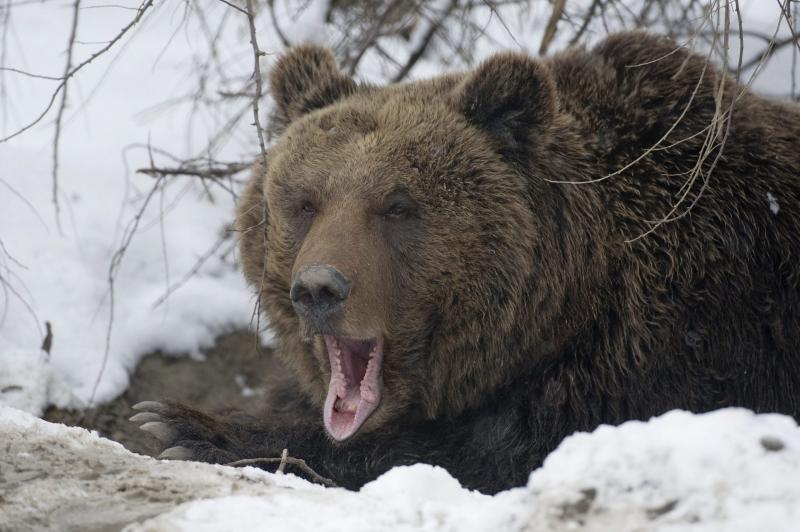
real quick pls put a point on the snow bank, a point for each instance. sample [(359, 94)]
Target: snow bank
[(728, 470)]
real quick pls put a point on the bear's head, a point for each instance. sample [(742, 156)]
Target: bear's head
[(394, 237)]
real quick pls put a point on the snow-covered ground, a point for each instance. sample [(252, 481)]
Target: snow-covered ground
[(729, 471)]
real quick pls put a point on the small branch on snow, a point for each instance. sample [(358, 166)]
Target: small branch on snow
[(284, 460), (284, 457)]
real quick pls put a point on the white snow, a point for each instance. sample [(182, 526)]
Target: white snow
[(678, 472), (727, 470)]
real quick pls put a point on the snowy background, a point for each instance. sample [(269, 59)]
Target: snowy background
[(156, 99)]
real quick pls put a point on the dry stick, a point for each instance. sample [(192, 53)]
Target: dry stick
[(768, 52), (552, 24), (6, 284), (63, 105), (213, 38), (708, 145), (373, 34), (648, 150), (27, 203), (31, 74), (194, 269), (493, 10), (225, 170), (298, 462), (278, 30), (587, 19), (216, 176), (787, 14), (713, 132), (234, 6), (257, 53), (284, 457), (116, 261), (147, 5), (425, 42), (5, 21), (727, 116), (162, 230)]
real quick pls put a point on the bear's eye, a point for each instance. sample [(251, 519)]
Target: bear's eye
[(308, 208), (397, 211)]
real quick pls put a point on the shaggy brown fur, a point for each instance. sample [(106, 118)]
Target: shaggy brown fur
[(513, 308)]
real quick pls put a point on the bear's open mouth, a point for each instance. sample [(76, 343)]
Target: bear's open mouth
[(355, 388)]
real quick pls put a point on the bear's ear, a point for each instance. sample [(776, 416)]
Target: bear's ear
[(512, 98), (304, 79)]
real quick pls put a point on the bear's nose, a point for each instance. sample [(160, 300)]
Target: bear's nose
[(319, 291)]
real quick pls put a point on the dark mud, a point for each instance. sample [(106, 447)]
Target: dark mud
[(235, 375)]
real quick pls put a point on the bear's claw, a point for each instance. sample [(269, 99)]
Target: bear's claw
[(177, 453), (144, 417), (160, 430), (183, 433), (153, 406)]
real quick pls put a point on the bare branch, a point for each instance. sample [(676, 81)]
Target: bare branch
[(552, 24), (278, 30), (288, 460), (768, 52), (56, 139), (234, 6), (210, 172), (284, 457), (424, 42), (144, 7), (257, 53), (114, 264), (194, 269), (30, 74)]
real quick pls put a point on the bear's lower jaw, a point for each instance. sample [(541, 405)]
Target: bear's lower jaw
[(354, 391)]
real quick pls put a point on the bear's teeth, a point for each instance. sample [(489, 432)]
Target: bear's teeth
[(367, 393), (345, 406)]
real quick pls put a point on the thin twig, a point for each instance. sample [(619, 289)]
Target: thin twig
[(63, 105), (289, 460), (278, 30), (284, 457), (222, 171), (257, 53), (768, 52), (145, 6), (372, 35), (552, 25), (114, 264), (194, 269), (234, 6), (425, 42)]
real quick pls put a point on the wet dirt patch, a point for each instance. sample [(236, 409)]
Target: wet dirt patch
[(234, 376)]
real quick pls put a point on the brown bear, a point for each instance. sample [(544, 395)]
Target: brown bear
[(464, 270)]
